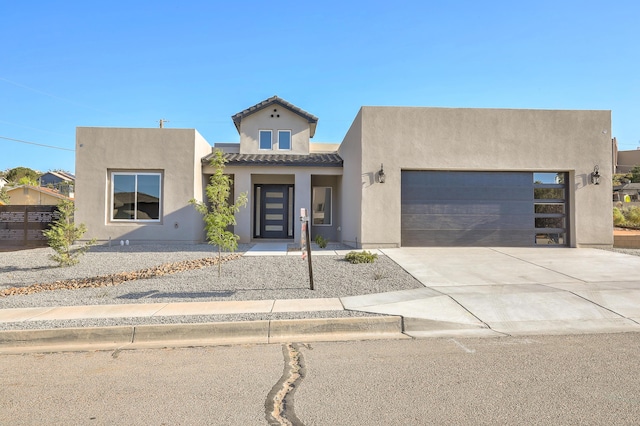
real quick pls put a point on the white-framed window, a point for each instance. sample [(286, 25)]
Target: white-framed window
[(136, 197), (284, 140), (321, 206), (265, 141)]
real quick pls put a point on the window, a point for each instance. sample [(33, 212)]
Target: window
[(321, 209), (549, 208), (265, 139), (135, 196), (284, 139)]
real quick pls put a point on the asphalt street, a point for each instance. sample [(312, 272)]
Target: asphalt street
[(560, 380)]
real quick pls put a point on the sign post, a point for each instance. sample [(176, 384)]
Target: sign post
[(305, 242)]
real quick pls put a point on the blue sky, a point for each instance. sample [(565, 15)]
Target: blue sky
[(196, 63)]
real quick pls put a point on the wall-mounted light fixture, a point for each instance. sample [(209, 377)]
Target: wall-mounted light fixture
[(381, 176), (595, 176)]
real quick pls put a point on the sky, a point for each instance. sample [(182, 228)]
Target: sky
[(131, 63)]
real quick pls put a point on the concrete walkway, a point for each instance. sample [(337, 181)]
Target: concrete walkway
[(468, 292)]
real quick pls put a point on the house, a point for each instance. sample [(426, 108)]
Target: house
[(626, 192), (29, 195), (59, 180), (625, 161), (402, 176), (3, 182)]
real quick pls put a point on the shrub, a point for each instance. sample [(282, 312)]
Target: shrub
[(360, 257), (618, 217), (633, 216), (321, 241)]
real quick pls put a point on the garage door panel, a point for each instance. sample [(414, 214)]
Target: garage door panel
[(461, 179), (467, 222), (470, 238), (455, 207), (468, 193)]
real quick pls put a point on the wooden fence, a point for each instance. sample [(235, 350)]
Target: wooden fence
[(22, 226)]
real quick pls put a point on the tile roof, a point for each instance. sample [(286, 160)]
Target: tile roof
[(310, 160), (312, 119)]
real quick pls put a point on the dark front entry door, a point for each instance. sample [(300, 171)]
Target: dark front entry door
[(275, 205)]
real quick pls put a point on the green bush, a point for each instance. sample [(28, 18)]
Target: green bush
[(633, 216), (626, 217), (618, 217), (321, 241), (360, 257)]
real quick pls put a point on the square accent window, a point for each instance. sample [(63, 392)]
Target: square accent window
[(321, 209), (265, 139), (284, 139), (135, 197)]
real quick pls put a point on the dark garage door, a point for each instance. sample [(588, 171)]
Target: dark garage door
[(467, 209)]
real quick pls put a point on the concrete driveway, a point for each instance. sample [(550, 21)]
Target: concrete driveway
[(475, 291)]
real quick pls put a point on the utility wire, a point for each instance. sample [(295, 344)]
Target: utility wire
[(37, 144)]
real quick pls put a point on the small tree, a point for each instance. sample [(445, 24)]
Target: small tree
[(635, 174), (63, 234), (219, 214), (4, 195)]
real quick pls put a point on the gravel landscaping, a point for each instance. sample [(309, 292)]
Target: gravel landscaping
[(243, 278)]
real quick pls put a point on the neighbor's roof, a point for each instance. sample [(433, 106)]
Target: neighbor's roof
[(41, 189), (62, 175), (628, 186), (312, 119), (310, 160)]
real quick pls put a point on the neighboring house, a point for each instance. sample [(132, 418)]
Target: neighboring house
[(3, 182), (34, 196), (59, 180), (625, 161), (402, 176), (630, 189)]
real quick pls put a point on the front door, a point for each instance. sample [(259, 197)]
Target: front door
[(274, 211)]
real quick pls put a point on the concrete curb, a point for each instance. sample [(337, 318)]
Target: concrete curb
[(201, 334)]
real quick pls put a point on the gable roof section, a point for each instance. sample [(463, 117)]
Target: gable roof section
[(311, 119), (311, 160)]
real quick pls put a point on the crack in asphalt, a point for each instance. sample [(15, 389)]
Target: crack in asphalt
[(279, 408)]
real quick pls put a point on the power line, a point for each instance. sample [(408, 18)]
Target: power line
[(37, 144), (51, 95)]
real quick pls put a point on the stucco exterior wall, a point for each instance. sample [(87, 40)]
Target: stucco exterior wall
[(352, 184), (263, 120), (478, 140), (175, 153)]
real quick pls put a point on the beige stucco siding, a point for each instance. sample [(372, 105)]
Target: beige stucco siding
[(353, 182), (480, 140), (263, 120), (175, 153)]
